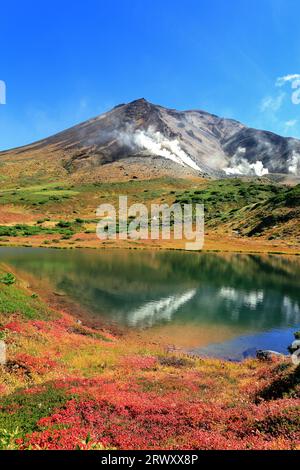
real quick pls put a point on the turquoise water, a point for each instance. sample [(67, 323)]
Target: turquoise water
[(218, 305)]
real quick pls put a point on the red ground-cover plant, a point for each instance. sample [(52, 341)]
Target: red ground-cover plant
[(14, 326), (138, 362), (39, 365), (128, 419), (80, 390), (42, 325), (33, 390)]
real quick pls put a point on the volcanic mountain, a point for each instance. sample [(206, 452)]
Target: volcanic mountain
[(147, 139)]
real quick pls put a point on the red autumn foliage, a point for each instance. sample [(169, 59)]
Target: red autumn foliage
[(14, 326), (147, 402), (39, 365), (139, 362), (126, 418), (33, 390), (41, 325)]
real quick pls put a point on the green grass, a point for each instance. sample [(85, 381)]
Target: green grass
[(81, 330), (8, 279), (289, 197), (13, 300), (21, 411), (223, 199), (250, 206), (37, 195), (64, 228)]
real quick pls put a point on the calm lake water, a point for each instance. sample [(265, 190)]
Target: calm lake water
[(218, 305)]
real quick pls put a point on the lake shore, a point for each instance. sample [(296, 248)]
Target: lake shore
[(237, 213), (213, 243)]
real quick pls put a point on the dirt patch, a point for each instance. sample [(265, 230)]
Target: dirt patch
[(13, 215)]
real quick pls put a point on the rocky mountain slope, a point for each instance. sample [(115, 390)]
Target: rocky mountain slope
[(149, 137)]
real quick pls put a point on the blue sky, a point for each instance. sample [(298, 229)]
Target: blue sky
[(66, 61)]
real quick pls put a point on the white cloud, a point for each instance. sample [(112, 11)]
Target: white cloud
[(294, 80), (273, 107), (287, 78), (272, 103), (289, 125), (83, 103)]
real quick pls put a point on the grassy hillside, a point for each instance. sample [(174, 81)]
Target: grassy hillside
[(65, 212), (249, 208)]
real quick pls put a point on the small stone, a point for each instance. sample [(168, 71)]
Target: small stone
[(296, 357), (59, 293), (267, 355), (294, 346)]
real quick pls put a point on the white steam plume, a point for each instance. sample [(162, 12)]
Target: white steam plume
[(294, 163), (240, 166), (157, 144)]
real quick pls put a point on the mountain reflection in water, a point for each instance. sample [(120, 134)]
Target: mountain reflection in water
[(215, 298)]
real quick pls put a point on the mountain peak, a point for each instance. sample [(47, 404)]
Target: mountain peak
[(193, 141), (140, 103), (139, 100)]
